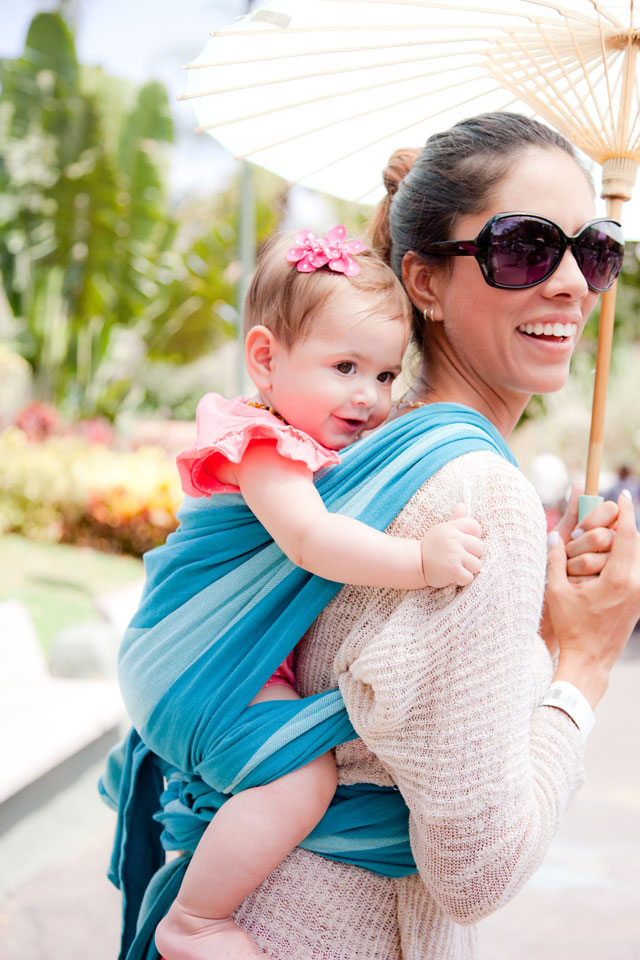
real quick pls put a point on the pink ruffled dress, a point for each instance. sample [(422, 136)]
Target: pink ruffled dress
[(225, 428)]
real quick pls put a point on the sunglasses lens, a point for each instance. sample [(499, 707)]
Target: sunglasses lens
[(522, 251), (599, 251)]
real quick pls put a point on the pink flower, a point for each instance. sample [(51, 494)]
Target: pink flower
[(333, 251)]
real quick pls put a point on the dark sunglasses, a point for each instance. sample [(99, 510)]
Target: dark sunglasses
[(519, 250)]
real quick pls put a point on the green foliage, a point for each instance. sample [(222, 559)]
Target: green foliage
[(88, 247)]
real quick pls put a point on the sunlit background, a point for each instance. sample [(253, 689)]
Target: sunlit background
[(121, 285)]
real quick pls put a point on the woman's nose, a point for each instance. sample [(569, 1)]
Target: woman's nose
[(567, 279)]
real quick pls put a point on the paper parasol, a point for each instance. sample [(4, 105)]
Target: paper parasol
[(323, 91)]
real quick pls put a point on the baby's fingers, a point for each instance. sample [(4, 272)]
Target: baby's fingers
[(473, 545), (463, 577), (472, 563), (467, 525)]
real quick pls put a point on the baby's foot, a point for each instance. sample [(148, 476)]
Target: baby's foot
[(183, 936)]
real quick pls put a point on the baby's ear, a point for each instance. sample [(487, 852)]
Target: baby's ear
[(259, 348)]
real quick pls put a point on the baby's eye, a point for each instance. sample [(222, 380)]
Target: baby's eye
[(346, 367), (386, 377)]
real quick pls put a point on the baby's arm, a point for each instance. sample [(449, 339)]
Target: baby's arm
[(280, 492)]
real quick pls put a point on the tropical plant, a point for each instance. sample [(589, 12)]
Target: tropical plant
[(87, 243)]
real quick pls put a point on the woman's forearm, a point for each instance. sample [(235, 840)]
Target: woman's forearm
[(593, 618), (447, 695)]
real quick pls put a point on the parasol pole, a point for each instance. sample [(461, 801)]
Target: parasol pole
[(618, 178), (247, 243), (590, 499)]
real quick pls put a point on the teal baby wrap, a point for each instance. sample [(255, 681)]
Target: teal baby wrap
[(222, 608)]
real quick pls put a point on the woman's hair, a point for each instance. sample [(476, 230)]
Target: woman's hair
[(454, 175), (285, 300)]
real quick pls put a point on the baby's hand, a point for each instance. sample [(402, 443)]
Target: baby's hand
[(451, 551)]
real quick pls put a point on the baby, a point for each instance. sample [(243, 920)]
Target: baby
[(326, 325)]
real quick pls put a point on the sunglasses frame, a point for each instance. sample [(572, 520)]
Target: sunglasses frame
[(480, 246)]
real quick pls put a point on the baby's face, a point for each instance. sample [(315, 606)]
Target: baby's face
[(337, 381)]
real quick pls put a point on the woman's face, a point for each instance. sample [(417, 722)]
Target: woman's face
[(489, 346)]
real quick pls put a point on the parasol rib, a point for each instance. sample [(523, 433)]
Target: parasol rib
[(587, 75), (546, 105), (326, 51), (496, 12), (320, 99), (304, 76), (371, 143), (299, 134), (560, 110)]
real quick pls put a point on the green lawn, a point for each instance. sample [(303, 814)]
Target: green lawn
[(58, 583)]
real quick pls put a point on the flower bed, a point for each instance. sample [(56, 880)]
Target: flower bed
[(65, 488)]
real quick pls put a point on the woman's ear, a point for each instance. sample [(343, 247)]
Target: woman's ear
[(420, 280), (260, 346)]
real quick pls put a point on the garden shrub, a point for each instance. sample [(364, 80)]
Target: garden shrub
[(66, 489)]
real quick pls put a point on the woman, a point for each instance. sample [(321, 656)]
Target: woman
[(445, 687)]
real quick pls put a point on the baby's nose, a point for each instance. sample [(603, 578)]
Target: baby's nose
[(365, 395)]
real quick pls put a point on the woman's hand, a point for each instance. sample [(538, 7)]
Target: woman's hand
[(593, 618), (588, 545), (587, 549)]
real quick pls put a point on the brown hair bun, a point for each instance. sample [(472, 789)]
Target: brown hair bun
[(397, 168)]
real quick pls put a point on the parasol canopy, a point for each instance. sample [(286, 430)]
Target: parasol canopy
[(323, 91)]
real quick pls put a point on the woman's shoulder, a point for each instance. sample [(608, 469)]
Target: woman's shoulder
[(492, 489)]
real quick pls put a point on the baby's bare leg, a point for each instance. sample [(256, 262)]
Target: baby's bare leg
[(248, 837)]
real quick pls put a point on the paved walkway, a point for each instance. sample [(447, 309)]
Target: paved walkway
[(581, 905)]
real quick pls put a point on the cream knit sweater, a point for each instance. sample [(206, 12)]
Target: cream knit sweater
[(443, 687)]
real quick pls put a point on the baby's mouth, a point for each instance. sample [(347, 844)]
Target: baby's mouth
[(353, 423), (546, 331)]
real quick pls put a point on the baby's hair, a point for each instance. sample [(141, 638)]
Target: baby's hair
[(285, 300)]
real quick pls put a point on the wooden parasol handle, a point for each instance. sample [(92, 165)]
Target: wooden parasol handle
[(603, 362)]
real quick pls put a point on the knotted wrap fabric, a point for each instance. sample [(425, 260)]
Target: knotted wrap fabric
[(222, 608)]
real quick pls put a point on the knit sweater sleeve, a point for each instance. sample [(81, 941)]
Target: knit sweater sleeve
[(446, 693)]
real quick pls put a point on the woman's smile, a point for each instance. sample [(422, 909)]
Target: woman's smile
[(549, 330), (509, 344)]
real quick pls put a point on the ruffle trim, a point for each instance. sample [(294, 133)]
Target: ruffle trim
[(249, 424)]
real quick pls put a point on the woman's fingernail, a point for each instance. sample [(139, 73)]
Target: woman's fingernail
[(627, 494), (576, 533), (553, 539)]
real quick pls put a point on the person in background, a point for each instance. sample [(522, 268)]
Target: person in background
[(626, 481)]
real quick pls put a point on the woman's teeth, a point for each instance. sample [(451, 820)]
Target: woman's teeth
[(549, 329)]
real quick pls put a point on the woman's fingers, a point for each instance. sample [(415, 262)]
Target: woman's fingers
[(604, 515), (589, 544), (570, 516), (624, 558), (593, 617), (586, 564), (598, 540), (556, 562)]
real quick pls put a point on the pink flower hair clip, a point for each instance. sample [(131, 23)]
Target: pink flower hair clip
[(333, 251)]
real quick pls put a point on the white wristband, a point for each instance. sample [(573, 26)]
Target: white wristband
[(565, 696)]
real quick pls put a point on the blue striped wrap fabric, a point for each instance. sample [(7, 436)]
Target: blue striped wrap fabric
[(221, 609)]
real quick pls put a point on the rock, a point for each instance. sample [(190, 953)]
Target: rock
[(21, 657), (87, 649)]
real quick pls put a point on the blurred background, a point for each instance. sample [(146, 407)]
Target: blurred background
[(122, 273)]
